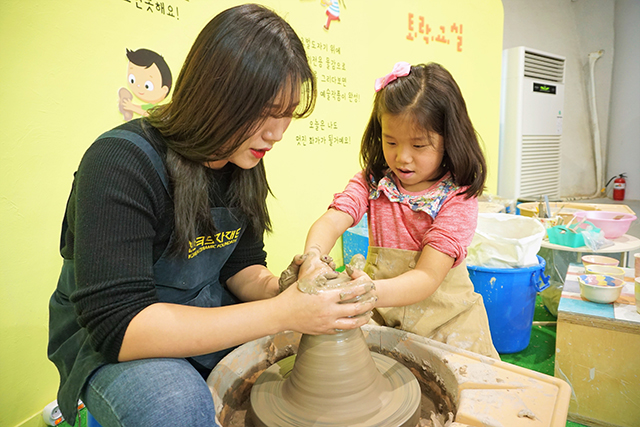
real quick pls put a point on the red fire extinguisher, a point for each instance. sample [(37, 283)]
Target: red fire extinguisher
[(619, 185)]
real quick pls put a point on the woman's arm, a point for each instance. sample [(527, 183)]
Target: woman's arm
[(171, 330), (253, 283)]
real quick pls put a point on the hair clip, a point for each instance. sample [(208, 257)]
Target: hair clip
[(401, 69)]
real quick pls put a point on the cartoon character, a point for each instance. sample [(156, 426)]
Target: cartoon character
[(149, 79), (333, 11)]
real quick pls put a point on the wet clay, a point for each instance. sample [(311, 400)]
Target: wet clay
[(290, 275), (335, 381), (434, 396), (331, 280), (320, 283)]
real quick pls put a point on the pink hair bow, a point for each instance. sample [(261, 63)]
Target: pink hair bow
[(401, 69)]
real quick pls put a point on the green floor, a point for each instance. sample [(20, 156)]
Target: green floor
[(539, 355)]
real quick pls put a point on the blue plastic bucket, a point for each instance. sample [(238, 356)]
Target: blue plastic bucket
[(355, 240), (91, 422), (509, 296)]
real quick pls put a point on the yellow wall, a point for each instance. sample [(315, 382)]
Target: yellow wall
[(62, 64)]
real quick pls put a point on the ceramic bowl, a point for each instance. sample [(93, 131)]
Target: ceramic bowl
[(601, 289), (613, 224), (605, 270), (599, 260)]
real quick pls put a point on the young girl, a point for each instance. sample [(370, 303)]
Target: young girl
[(422, 171), (164, 268)]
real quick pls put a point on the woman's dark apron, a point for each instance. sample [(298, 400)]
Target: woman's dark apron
[(192, 280)]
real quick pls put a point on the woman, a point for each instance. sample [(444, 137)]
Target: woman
[(162, 238)]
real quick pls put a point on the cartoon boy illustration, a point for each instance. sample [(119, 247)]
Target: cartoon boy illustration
[(149, 79), (333, 11)]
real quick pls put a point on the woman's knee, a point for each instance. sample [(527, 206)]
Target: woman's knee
[(149, 392)]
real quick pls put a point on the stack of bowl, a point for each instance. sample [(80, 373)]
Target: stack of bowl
[(603, 281), (605, 270)]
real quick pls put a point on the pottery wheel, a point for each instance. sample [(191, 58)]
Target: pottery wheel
[(335, 380)]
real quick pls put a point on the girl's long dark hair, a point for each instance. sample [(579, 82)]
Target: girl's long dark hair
[(432, 97), (242, 59)]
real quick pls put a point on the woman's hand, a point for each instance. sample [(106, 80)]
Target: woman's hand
[(289, 276), (331, 310), (359, 277)]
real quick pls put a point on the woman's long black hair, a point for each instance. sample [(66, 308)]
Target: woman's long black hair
[(242, 59), (432, 97)]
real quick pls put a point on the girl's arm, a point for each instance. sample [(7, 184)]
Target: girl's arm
[(321, 238), (417, 284), (324, 233), (172, 330)]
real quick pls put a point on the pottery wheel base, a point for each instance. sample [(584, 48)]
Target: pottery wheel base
[(395, 403)]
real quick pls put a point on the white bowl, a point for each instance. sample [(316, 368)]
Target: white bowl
[(601, 289), (605, 270)]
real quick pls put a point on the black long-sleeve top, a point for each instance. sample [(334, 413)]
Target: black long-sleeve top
[(118, 222)]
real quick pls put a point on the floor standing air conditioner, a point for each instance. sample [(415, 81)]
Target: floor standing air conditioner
[(530, 123)]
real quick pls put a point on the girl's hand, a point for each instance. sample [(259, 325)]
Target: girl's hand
[(316, 265), (314, 269), (329, 311)]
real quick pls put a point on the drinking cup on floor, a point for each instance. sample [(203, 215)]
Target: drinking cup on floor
[(636, 257)]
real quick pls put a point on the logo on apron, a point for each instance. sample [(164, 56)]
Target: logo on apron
[(217, 241)]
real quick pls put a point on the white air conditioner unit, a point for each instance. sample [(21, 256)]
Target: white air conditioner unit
[(530, 123)]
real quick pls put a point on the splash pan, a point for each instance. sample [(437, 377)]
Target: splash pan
[(477, 391)]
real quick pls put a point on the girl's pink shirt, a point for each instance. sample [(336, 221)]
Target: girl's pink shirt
[(395, 225)]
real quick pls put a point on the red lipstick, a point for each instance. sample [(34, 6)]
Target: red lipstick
[(258, 154)]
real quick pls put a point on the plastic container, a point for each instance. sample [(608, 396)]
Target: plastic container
[(561, 235), (562, 209), (571, 235), (613, 224), (566, 210), (509, 296)]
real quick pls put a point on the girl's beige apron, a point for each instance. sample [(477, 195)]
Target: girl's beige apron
[(454, 314)]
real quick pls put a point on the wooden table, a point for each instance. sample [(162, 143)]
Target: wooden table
[(622, 245), (598, 354)]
